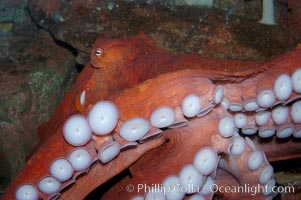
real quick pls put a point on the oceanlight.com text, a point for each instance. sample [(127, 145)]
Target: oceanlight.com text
[(246, 188)]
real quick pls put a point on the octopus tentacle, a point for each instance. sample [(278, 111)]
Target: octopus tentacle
[(211, 119)]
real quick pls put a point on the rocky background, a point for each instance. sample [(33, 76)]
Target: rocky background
[(44, 45)]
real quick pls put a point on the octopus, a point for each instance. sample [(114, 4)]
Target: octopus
[(185, 126)]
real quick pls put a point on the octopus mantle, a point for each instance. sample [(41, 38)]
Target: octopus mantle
[(202, 121)]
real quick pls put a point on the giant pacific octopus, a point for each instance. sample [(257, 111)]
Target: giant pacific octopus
[(173, 120)]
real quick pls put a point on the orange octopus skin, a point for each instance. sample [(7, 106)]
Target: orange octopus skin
[(167, 89), (138, 60)]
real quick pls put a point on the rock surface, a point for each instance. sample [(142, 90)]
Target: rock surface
[(34, 72), (227, 30)]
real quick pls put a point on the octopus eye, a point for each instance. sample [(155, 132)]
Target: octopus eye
[(99, 52)]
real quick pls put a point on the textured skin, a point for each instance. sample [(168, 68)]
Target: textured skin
[(138, 60), (117, 76)]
